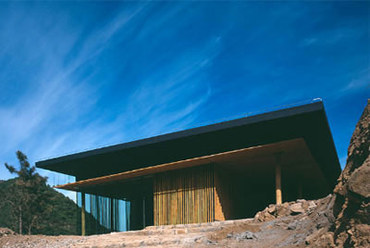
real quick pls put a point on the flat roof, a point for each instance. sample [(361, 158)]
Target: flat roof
[(306, 121), (191, 162)]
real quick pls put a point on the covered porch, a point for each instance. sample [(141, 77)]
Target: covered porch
[(228, 185)]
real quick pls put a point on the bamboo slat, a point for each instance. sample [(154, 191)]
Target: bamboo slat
[(184, 196)]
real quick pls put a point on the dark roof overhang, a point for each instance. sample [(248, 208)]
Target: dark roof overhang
[(306, 121)]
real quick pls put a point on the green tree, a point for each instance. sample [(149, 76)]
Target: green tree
[(28, 196)]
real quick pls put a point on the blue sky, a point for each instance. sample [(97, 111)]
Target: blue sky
[(81, 75)]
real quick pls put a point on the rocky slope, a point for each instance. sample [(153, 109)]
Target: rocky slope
[(338, 220), (292, 224), (352, 207)]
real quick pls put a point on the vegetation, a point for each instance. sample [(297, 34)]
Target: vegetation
[(27, 195), (61, 216), (29, 206)]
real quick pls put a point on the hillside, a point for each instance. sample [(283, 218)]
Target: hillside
[(62, 218)]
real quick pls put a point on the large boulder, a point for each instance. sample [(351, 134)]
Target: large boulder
[(358, 183), (358, 157), (352, 208)]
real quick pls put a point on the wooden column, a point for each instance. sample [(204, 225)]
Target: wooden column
[(83, 223), (278, 184), (279, 199)]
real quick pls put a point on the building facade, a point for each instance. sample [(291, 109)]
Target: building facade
[(228, 170)]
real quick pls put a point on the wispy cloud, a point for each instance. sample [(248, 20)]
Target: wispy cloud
[(58, 115), (362, 81)]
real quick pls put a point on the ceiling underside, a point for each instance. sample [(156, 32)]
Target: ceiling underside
[(256, 162)]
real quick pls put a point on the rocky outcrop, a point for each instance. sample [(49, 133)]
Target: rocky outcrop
[(293, 224), (358, 157), (6, 232), (352, 207), (310, 221), (286, 209)]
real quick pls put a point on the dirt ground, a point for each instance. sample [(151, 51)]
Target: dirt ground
[(288, 226)]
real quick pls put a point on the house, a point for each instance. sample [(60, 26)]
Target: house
[(223, 171)]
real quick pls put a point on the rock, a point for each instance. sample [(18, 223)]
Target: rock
[(286, 209), (210, 242), (361, 235), (263, 216), (325, 240), (241, 236), (311, 205), (352, 192), (6, 232), (283, 210), (296, 208), (358, 150), (292, 225), (359, 182), (271, 209), (245, 235)]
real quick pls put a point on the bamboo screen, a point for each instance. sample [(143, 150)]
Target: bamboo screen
[(184, 196)]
